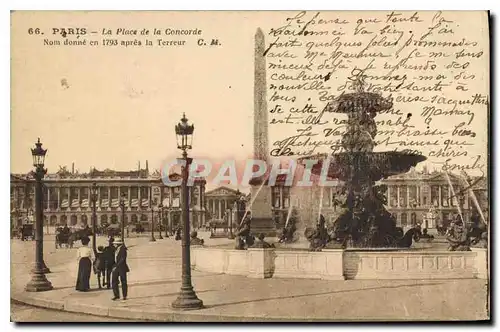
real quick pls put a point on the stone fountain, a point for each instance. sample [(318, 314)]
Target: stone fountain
[(365, 222)]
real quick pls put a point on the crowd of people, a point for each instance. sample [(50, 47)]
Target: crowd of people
[(108, 263)]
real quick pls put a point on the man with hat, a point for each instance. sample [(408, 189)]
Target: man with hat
[(120, 270)]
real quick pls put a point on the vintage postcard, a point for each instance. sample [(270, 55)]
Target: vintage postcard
[(254, 166)]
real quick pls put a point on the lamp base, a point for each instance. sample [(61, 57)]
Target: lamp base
[(38, 283), (44, 269), (160, 237), (152, 239), (187, 300)]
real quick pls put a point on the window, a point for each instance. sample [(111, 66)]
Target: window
[(404, 219), (435, 195), (144, 192), (445, 196), (403, 196), (413, 219), (414, 199), (275, 193), (286, 197), (393, 199), (195, 194), (134, 192), (114, 192), (74, 193)]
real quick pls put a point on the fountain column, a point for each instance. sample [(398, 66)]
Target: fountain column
[(98, 198), (407, 196), (440, 201), (129, 198), (388, 196), (449, 195), (398, 203), (139, 196), (48, 199)]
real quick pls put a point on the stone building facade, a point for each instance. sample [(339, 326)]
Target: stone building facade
[(67, 198), (218, 201)]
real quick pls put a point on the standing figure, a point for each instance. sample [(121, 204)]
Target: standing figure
[(120, 270), (178, 233), (84, 256), (99, 266), (108, 256)]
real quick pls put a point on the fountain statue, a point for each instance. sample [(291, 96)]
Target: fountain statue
[(288, 231), (262, 243), (244, 237), (365, 222)]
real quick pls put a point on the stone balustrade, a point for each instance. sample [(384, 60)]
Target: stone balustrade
[(342, 264)]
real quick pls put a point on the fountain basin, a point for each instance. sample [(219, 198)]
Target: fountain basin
[(337, 264), (375, 165)]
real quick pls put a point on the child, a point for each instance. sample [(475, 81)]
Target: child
[(99, 265)]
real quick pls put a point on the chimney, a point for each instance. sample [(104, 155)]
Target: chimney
[(139, 165), (73, 168), (147, 168)]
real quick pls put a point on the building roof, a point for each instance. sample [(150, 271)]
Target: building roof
[(222, 191)]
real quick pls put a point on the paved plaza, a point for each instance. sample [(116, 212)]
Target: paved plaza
[(155, 277)]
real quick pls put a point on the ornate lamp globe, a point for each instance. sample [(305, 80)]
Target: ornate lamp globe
[(184, 132), (38, 154)]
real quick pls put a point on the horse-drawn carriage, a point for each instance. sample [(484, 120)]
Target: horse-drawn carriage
[(138, 228), (66, 237), (26, 231)]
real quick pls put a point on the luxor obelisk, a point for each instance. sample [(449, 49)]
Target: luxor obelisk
[(262, 205)]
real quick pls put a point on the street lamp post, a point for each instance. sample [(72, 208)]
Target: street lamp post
[(235, 208), (160, 220), (122, 206), (187, 299), (164, 221), (152, 239), (38, 282), (93, 196), (231, 221)]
